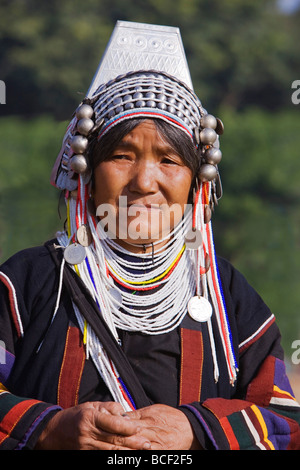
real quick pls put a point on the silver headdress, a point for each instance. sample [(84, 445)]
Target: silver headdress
[(143, 72)]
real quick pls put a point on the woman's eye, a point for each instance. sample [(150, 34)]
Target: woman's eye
[(170, 161), (120, 157)]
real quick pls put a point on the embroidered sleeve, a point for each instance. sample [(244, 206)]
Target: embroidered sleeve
[(269, 417), (21, 419), (264, 413)]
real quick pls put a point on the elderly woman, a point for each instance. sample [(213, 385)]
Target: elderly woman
[(126, 331)]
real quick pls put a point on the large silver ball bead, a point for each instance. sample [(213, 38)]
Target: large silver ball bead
[(208, 136), (207, 172), (78, 164), (79, 144), (208, 121), (85, 125), (84, 111), (213, 156)]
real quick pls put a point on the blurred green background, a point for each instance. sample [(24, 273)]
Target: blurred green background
[(243, 55)]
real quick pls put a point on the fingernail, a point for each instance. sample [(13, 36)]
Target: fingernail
[(147, 446)]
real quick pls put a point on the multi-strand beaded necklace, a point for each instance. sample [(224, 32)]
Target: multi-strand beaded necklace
[(147, 292)]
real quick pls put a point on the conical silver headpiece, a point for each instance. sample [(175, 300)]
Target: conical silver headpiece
[(139, 46)]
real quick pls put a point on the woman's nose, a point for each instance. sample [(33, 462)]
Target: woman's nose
[(144, 178)]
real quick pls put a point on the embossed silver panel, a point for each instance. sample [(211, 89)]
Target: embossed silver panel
[(138, 46)]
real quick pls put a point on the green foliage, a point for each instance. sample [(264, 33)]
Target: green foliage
[(28, 203)]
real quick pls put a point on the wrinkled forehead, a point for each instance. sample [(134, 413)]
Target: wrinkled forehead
[(147, 94)]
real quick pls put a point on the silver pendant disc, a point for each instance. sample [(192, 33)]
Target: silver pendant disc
[(193, 239), (84, 236), (199, 309), (74, 254), (116, 295)]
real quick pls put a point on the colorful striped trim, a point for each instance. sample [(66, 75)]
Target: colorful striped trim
[(191, 366), (13, 304), (283, 398), (14, 415), (257, 334), (147, 113), (71, 369)]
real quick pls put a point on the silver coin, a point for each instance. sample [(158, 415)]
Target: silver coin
[(193, 239), (74, 254), (116, 295), (199, 309), (84, 236)]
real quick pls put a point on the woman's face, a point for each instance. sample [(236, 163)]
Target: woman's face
[(141, 190)]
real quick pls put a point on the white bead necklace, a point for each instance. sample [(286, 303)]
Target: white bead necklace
[(153, 311)]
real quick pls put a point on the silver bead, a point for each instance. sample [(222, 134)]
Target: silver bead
[(208, 136), (162, 106), (79, 144), (207, 172), (208, 120), (117, 100), (85, 125), (150, 104), (78, 164), (150, 95), (111, 114), (138, 95), (161, 97), (213, 156), (171, 109), (171, 100), (84, 111)]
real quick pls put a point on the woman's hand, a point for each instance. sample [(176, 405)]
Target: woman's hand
[(167, 428), (92, 426)]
